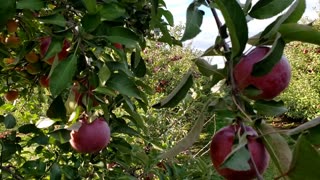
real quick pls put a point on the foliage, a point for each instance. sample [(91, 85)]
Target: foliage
[(118, 60), (303, 95)]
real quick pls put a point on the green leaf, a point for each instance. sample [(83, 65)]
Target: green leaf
[(298, 32), (167, 14), (123, 36), (178, 93), (269, 108), (91, 6), (39, 139), (90, 22), (106, 91), (272, 29), (276, 145), (207, 69), (305, 162), (313, 135), (236, 24), (193, 21), (30, 4), (270, 59), (104, 74), (122, 83), (189, 139), (56, 19), (54, 48), (138, 65), (296, 15), (264, 9), (236, 161), (7, 11), (62, 75), (9, 121), (28, 128), (57, 109), (61, 135), (55, 172), (111, 11)]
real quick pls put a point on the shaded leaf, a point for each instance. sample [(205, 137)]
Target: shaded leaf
[(236, 24), (167, 14), (111, 11), (305, 162), (270, 59), (193, 21), (207, 69), (62, 75), (57, 109), (178, 93), (9, 121), (276, 145), (7, 11), (30, 4), (56, 19), (28, 128), (55, 172), (269, 108), (122, 83), (264, 9), (90, 22), (123, 36), (61, 135), (91, 6)]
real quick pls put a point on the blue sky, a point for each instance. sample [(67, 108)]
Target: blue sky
[(208, 29)]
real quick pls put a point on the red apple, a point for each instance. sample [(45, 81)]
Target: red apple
[(44, 46), (12, 41), (118, 45), (32, 57), (11, 95), (91, 137), (12, 26), (44, 81), (221, 146), (271, 84)]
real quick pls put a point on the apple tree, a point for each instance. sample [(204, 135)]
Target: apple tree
[(87, 58)]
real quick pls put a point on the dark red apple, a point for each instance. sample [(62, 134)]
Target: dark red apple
[(11, 95), (221, 146), (12, 26), (269, 85), (44, 81), (118, 45), (44, 46), (91, 137)]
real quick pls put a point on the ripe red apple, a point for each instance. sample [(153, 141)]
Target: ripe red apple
[(221, 146), (91, 137), (11, 95), (44, 46), (44, 81), (271, 84)]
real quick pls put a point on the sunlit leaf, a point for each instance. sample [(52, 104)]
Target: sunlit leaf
[(44, 122)]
